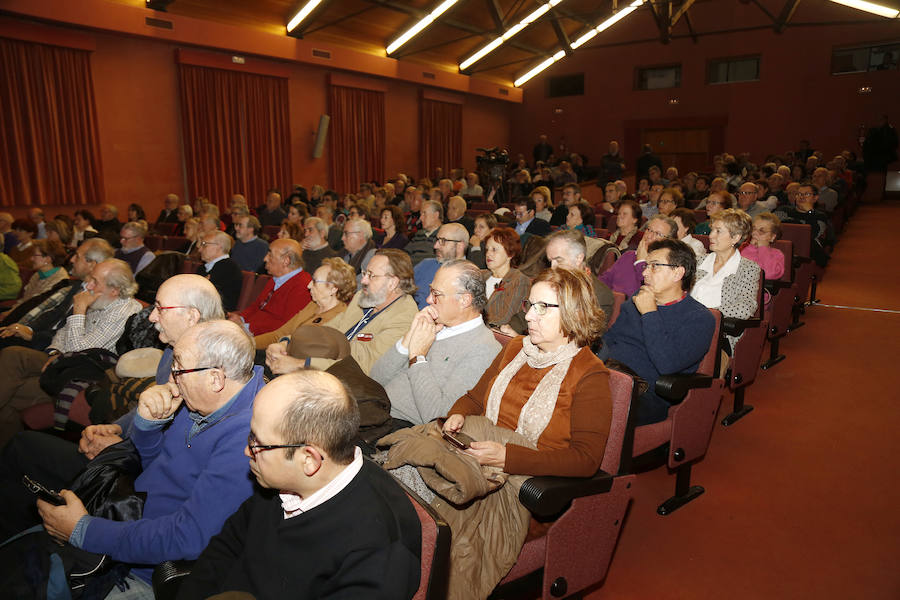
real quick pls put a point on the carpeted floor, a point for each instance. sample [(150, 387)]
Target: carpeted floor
[(800, 494)]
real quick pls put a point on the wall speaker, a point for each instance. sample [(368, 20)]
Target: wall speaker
[(321, 134)]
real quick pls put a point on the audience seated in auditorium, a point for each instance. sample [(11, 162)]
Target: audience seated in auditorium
[(191, 490), (628, 222), (451, 243), (421, 244), (716, 202), (445, 351), (571, 195), (97, 320), (10, 280), (382, 310), (548, 411), (332, 287), (828, 198), (46, 262), (766, 229), (662, 330), (725, 280), (358, 244), (327, 211), (271, 214), (471, 188), (283, 296), (505, 286), (290, 231), (568, 249), (36, 216), (749, 200), (186, 301), (182, 215), (543, 203), (108, 225), (222, 270), (612, 165), (805, 212), (169, 213), (456, 213), (8, 238), (669, 199), (394, 225), (315, 243), (249, 251), (527, 223), (133, 251), (484, 223), (651, 206), (687, 221), (626, 275), (580, 218), (21, 252), (339, 525)]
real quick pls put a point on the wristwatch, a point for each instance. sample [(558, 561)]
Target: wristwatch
[(416, 360)]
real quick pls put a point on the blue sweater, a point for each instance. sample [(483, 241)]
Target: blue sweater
[(195, 478), (672, 339), (249, 255)]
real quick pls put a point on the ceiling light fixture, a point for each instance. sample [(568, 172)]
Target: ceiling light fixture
[(870, 7), (302, 14), (418, 27), (581, 41), (497, 42)]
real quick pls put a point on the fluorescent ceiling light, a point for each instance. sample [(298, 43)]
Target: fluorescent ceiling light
[(581, 41), (302, 14), (418, 27), (870, 7), (497, 42)]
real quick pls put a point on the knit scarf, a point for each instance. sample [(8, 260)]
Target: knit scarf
[(538, 410)]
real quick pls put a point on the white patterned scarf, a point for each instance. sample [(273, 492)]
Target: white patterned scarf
[(538, 410)]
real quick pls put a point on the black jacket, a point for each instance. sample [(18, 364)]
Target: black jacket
[(227, 277)]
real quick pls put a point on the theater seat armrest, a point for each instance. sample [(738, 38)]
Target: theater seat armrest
[(548, 496), (167, 578), (773, 286), (800, 260), (674, 388), (735, 327)]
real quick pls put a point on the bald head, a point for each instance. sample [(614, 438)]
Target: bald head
[(183, 301), (452, 241), (285, 255)]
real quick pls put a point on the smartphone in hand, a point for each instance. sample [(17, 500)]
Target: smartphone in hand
[(42, 492), (459, 440)]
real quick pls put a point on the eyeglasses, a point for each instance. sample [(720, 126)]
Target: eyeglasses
[(443, 241), (805, 194), (255, 448), (666, 201), (176, 373), (746, 193), (158, 308), (653, 266), (438, 294), (320, 281), (372, 275), (540, 308), (204, 244), (656, 233)]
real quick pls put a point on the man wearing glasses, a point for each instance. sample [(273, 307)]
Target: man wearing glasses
[(220, 268), (748, 198), (446, 350), (358, 244), (627, 274), (191, 435), (133, 250), (382, 310), (662, 330), (526, 222), (451, 243), (338, 526), (804, 213)]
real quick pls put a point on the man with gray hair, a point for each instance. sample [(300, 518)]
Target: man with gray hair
[(99, 313), (315, 244), (358, 244), (169, 213), (452, 242), (221, 269), (191, 434), (181, 302), (343, 526), (567, 248), (446, 350), (421, 245), (133, 250)]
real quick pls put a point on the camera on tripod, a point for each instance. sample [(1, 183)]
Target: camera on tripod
[(492, 162)]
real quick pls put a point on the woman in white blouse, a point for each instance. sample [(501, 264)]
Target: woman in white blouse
[(725, 280)]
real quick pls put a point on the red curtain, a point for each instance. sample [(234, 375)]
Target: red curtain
[(440, 136), (357, 137), (49, 145), (236, 134)]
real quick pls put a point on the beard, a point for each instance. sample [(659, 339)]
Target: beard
[(370, 298), (101, 303)]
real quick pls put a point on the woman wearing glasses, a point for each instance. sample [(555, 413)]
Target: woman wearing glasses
[(547, 385), (716, 203)]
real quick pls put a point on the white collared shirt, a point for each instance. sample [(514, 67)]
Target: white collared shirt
[(212, 263), (708, 291), (293, 505), (445, 333)]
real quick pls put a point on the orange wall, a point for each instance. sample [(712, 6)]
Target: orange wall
[(135, 84), (796, 98)]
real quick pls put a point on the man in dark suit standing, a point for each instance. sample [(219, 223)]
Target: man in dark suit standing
[(221, 269)]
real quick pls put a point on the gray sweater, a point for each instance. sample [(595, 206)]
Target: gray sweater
[(427, 390)]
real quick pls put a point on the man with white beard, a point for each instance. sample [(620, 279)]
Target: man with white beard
[(382, 310)]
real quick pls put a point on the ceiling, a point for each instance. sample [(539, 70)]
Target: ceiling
[(370, 25)]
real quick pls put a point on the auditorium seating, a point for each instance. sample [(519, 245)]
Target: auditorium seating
[(781, 306), (746, 355)]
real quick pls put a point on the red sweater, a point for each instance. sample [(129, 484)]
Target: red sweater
[(264, 316)]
